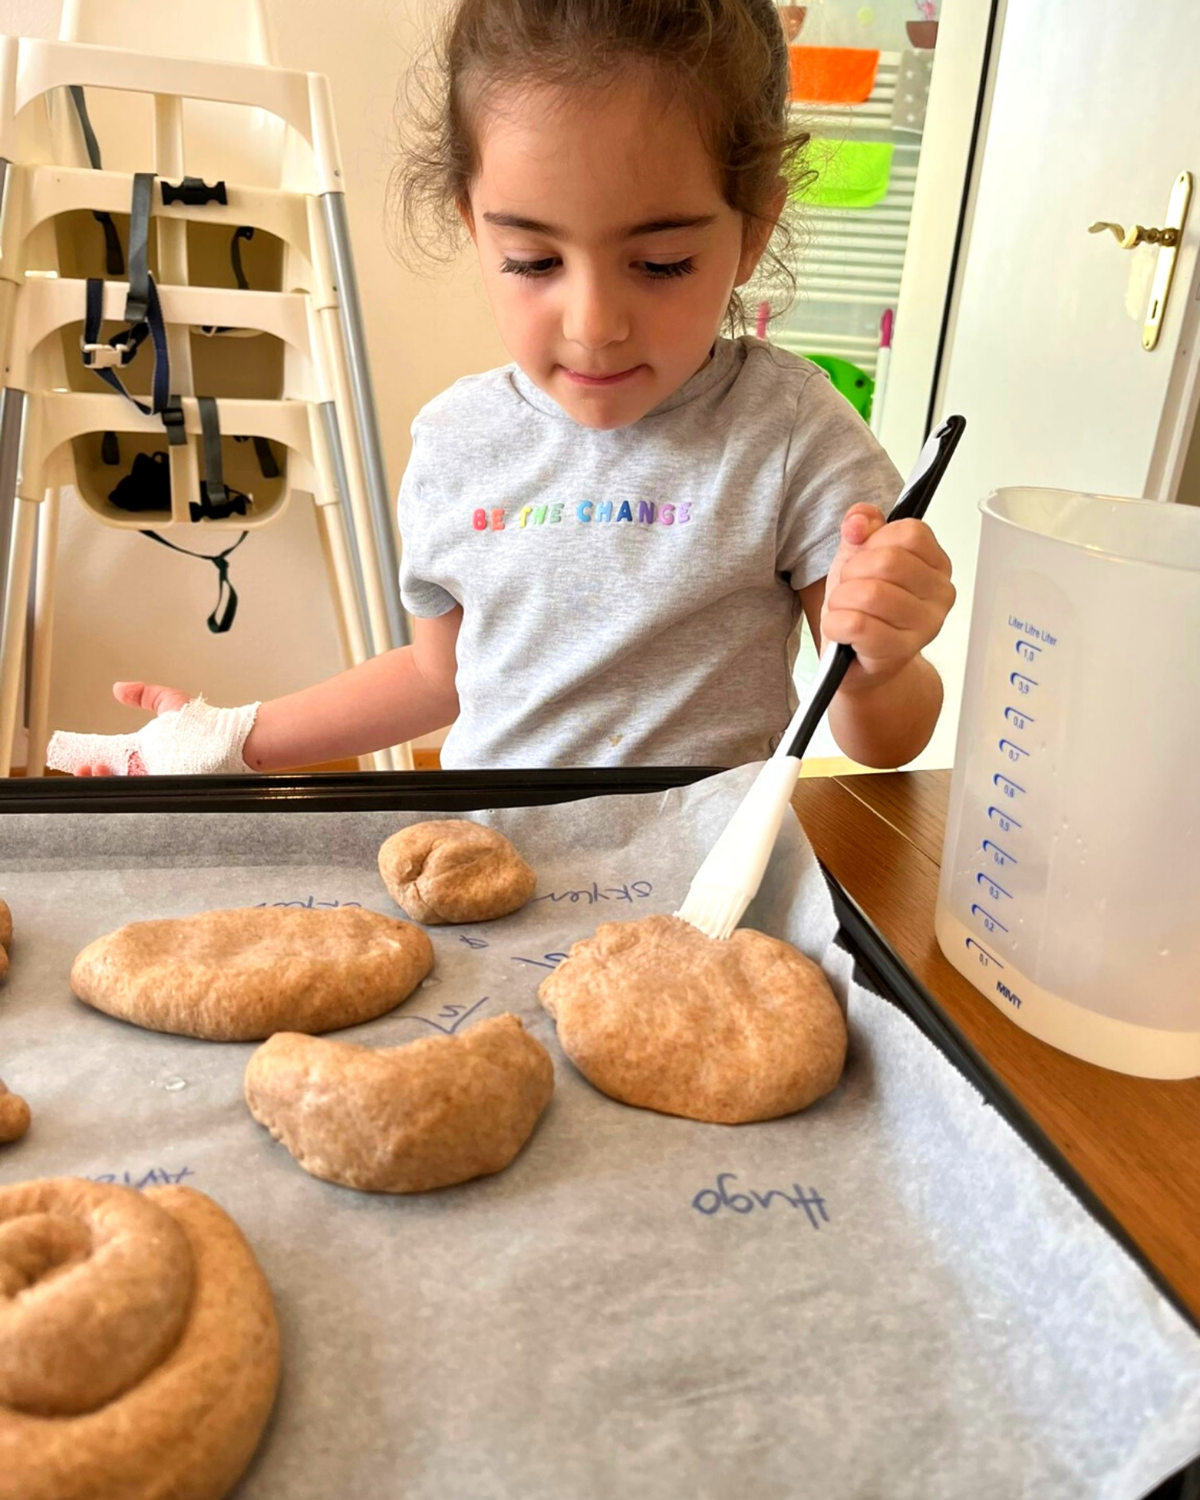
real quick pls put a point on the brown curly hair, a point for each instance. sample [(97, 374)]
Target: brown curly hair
[(727, 57)]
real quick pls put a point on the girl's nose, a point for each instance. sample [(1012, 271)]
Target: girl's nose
[(593, 314)]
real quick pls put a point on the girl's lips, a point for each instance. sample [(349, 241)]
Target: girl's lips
[(599, 380)]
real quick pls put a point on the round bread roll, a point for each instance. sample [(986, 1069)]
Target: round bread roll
[(239, 975), (655, 1014), (139, 1352), (403, 1119), (14, 1117), (453, 871), (5, 937)]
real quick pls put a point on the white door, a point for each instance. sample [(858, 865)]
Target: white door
[(1092, 116)]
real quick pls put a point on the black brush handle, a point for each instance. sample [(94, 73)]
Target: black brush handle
[(912, 504)]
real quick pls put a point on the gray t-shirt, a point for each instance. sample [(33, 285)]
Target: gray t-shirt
[(629, 597)]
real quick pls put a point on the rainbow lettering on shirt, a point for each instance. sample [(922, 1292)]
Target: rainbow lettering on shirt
[(586, 513)]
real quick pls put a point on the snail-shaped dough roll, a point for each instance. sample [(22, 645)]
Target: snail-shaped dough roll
[(139, 1352), (403, 1119), (452, 870)]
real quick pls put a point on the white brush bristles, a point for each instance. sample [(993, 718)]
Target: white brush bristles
[(729, 878)]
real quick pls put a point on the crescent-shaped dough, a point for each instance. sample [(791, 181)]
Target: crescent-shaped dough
[(238, 976), (655, 1014), (139, 1352), (403, 1119), (453, 870)]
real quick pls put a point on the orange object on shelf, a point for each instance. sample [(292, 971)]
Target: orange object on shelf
[(832, 75)]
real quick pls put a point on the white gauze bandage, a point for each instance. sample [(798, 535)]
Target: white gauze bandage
[(195, 740)]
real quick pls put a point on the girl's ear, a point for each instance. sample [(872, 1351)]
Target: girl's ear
[(758, 231), (464, 212)]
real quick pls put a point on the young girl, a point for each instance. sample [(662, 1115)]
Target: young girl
[(609, 542)]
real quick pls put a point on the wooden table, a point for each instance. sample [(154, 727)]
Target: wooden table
[(1135, 1141)]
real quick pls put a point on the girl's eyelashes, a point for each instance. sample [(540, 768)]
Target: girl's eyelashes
[(663, 269), (529, 267), (655, 270)]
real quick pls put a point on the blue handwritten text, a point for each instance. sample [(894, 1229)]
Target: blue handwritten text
[(547, 960), (155, 1177), (449, 1018), (710, 1201), (310, 902), (636, 890)]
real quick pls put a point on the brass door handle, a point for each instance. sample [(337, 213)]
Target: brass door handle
[(1167, 239), (1137, 235)]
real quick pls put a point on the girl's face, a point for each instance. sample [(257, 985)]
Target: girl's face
[(608, 253)]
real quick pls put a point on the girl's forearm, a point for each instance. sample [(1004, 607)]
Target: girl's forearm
[(384, 701), (888, 723)]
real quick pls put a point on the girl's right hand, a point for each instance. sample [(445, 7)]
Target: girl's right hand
[(149, 696)]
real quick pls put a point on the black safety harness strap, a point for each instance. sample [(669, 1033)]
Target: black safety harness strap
[(244, 232), (217, 502), (138, 300), (106, 358), (265, 455), (114, 261), (262, 448), (223, 614), (214, 466), (143, 315)]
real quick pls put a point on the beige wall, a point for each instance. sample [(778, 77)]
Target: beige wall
[(127, 608)]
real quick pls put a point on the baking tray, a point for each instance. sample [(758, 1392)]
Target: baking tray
[(877, 966)]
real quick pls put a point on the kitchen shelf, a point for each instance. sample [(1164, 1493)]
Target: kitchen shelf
[(851, 260)]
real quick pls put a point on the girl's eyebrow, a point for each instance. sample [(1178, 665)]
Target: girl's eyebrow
[(651, 226)]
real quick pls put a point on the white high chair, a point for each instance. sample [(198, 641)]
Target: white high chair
[(287, 365)]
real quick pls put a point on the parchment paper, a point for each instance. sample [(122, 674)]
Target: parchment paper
[(886, 1296)]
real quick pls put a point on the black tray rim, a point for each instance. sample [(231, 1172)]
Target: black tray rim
[(341, 791)]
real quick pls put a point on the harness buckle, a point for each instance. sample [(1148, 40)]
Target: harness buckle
[(193, 191), (171, 417), (106, 356)]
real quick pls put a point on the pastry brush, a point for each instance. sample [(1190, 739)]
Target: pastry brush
[(729, 878)]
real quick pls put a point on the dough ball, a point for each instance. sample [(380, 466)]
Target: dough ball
[(655, 1014), (238, 976), (5, 926), (403, 1119), (14, 1116), (454, 871), (139, 1352)]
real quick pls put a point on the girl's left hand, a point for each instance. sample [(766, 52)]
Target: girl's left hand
[(886, 594)]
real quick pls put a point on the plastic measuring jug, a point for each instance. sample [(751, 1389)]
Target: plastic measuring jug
[(1070, 889)]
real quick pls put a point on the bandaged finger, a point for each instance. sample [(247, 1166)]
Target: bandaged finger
[(195, 740)]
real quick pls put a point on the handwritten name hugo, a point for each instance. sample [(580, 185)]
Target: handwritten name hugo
[(710, 1201)]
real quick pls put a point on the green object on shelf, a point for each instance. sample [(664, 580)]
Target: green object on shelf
[(855, 384), (850, 174)]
